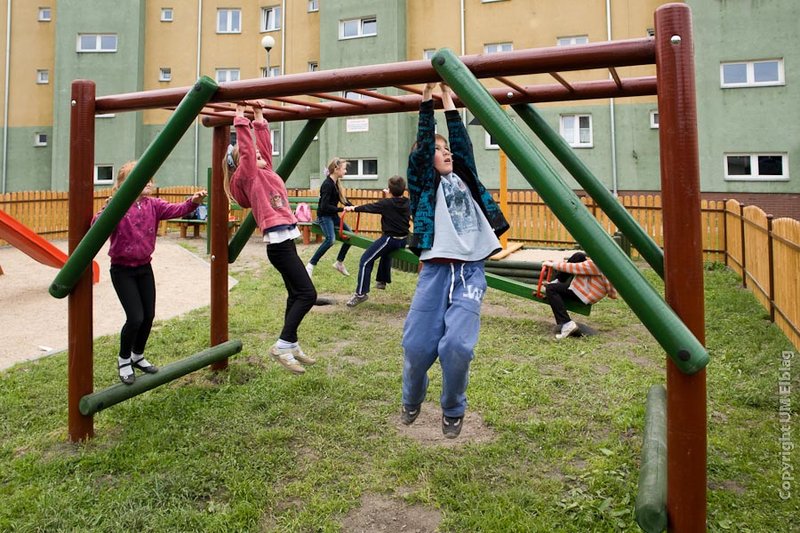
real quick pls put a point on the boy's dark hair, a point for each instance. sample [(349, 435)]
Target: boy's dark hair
[(397, 185)]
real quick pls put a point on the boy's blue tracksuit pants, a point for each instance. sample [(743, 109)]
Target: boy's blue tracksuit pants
[(443, 322)]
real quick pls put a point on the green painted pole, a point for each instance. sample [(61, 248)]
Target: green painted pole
[(651, 497), (97, 401), (662, 322), (284, 170), (650, 251), (145, 169)]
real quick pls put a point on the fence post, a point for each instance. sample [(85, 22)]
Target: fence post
[(744, 255), (725, 230), (770, 244)]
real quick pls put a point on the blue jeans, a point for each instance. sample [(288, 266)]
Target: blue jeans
[(329, 226), (380, 249), (443, 322)]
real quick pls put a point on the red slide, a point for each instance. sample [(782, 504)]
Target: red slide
[(26, 240)]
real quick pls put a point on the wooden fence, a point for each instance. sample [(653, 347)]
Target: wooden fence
[(764, 252)]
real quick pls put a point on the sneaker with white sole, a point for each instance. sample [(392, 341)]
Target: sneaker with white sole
[(568, 329), (338, 265), (301, 356), (285, 356), (310, 269), (357, 299)]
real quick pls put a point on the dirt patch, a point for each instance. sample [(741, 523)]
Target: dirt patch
[(427, 429), (728, 485), (380, 513)]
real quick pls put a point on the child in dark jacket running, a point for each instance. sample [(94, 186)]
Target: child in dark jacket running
[(395, 215), (132, 244)]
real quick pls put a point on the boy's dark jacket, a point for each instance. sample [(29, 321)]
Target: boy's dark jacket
[(394, 213), (423, 179)]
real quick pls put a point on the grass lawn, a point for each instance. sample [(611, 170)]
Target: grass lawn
[(551, 442)]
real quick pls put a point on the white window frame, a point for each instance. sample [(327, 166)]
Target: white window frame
[(361, 21), (313, 6), (575, 141), (754, 166), (226, 72), (352, 95), (493, 48), (98, 43), (167, 14), (274, 70), (650, 32), (106, 115), (42, 76), (165, 74), (488, 144), (572, 40), (313, 66), (427, 54), (45, 14), (225, 15), (40, 139), (654, 119), (273, 13), (103, 182), (751, 81), (357, 173), (275, 139)]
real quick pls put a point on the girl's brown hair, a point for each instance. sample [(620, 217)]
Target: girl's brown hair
[(229, 164), (332, 164), (122, 174)]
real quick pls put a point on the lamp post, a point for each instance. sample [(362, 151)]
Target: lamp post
[(268, 42)]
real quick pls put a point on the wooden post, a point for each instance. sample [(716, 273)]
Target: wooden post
[(504, 194), (744, 254), (218, 234), (725, 230), (770, 253)]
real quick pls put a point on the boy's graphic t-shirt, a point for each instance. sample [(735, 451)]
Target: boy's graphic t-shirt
[(461, 230)]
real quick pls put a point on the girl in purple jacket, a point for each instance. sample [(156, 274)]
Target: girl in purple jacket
[(131, 251), (251, 182)]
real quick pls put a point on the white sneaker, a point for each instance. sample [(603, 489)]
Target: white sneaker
[(338, 265), (568, 329), (310, 269), (285, 356), (302, 356)]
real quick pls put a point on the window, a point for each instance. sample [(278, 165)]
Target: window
[(313, 5), (497, 47), (362, 169), (227, 74), (651, 32), (165, 74), (270, 18), (654, 119), (166, 14), (571, 41), (273, 71), (353, 28), (45, 14), (313, 66), (352, 95), (105, 115), (42, 76), (752, 73), (97, 42), (427, 54), (490, 144), (765, 167), (40, 139), (104, 174), (577, 130), (229, 21), (275, 139)]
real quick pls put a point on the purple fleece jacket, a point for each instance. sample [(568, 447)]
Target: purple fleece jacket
[(134, 238)]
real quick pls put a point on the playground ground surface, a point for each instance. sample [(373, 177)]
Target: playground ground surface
[(551, 441)]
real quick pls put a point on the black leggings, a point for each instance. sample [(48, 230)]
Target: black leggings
[(559, 291), (302, 293), (136, 289)]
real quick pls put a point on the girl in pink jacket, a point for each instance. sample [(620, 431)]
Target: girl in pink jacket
[(251, 182)]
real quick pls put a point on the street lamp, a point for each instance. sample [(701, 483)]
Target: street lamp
[(268, 42)]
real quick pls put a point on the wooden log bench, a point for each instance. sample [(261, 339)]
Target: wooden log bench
[(185, 223)]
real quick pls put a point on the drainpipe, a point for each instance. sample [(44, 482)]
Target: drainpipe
[(611, 112), (5, 96), (283, 63), (462, 12), (197, 76)]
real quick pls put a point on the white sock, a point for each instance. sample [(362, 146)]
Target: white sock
[(140, 360), (285, 345), (126, 370)]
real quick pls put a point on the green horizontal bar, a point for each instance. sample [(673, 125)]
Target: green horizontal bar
[(97, 401)]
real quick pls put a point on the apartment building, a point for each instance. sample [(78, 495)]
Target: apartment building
[(747, 83)]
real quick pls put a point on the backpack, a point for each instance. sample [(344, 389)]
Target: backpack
[(303, 212)]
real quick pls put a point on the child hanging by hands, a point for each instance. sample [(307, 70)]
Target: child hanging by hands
[(251, 181), (132, 244), (395, 215)]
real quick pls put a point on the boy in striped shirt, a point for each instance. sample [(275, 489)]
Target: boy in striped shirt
[(588, 285)]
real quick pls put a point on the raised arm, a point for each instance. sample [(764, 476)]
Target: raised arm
[(421, 156), (460, 144), (247, 150), (263, 138)]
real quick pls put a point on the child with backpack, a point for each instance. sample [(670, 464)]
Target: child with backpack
[(395, 214)]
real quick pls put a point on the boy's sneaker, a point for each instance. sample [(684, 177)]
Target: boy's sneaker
[(338, 265), (357, 299), (380, 285), (451, 426), (310, 269), (408, 415), (568, 329), (285, 356), (301, 356)]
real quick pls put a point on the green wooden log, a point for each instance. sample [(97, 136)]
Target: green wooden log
[(284, 170), (681, 345), (616, 212), (145, 169), (97, 401), (651, 498)]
